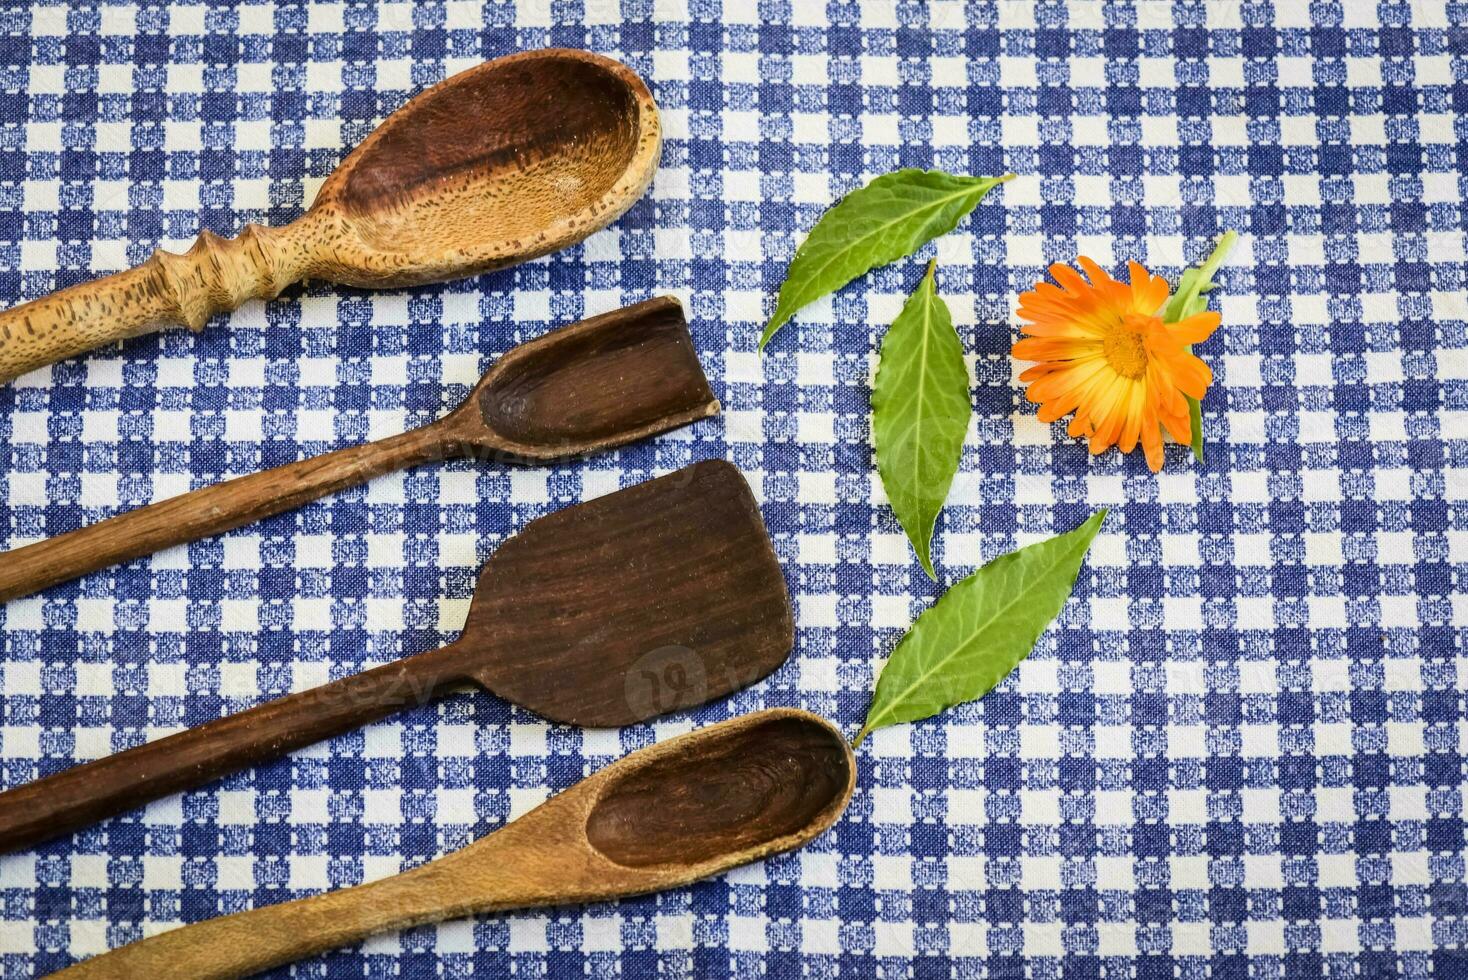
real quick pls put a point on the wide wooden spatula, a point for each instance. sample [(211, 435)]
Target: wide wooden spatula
[(585, 388), (515, 158), (657, 597)]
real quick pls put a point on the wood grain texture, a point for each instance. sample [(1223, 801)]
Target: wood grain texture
[(585, 844), (216, 275), (754, 785), (507, 161), (590, 386), (210, 510), (602, 382), (654, 598), (670, 586), (82, 795)]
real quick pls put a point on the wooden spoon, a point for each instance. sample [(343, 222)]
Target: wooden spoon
[(662, 817), (587, 387), (657, 597), (515, 158)]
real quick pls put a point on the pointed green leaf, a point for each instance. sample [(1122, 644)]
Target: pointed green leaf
[(1189, 299), (893, 216), (920, 413), (979, 630)]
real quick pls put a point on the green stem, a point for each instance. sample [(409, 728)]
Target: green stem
[(1177, 308), (1215, 259)]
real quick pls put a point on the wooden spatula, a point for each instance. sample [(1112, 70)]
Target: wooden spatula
[(662, 817), (653, 598), (515, 158), (585, 388)]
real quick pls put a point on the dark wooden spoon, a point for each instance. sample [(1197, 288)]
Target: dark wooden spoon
[(661, 818), (585, 388), (654, 598), (509, 160)]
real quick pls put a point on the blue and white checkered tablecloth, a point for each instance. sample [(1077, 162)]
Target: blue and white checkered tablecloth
[(1239, 753)]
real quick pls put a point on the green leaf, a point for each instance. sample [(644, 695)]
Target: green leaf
[(979, 630), (1195, 418), (920, 413), (1190, 299), (894, 215)]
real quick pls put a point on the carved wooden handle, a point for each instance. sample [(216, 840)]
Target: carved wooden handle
[(213, 510), (93, 791), (215, 276)]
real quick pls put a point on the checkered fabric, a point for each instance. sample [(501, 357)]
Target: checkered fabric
[(1240, 751)]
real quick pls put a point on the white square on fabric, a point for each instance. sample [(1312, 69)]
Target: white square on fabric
[(1113, 807), (1187, 741), (1260, 805), (747, 933), (1339, 935), (1405, 738), (1336, 871), (382, 806), (601, 933), (1113, 742), (1413, 934), (236, 807), (1039, 807)]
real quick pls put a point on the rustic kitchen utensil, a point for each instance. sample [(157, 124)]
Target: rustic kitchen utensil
[(657, 597), (587, 387), (662, 817), (509, 160)]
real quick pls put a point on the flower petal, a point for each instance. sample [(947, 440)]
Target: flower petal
[(1151, 439), (1131, 427), (1196, 328), (1149, 292), (1192, 375), (1097, 275)]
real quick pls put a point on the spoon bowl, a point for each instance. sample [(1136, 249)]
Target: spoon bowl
[(605, 381), (663, 817), (767, 783), (570, 139)]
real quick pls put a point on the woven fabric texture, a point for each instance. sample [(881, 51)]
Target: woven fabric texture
[(1238, 753)]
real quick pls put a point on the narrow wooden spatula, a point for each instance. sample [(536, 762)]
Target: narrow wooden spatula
[(654, 598), (585, 388), (664, 816)]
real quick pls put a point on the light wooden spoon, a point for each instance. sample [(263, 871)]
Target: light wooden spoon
[(663, 817), (507, 161)]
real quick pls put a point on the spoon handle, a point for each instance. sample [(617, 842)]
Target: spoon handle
[(216, 509), (82, 795), (245, 943), (215, 276)]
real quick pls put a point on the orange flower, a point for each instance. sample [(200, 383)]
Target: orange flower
[(1105, 354)]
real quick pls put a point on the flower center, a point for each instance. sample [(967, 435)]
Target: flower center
[(1126, 348)]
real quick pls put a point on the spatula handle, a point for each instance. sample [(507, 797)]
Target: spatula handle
[(214, 510), (93, 791), (215, 276)]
